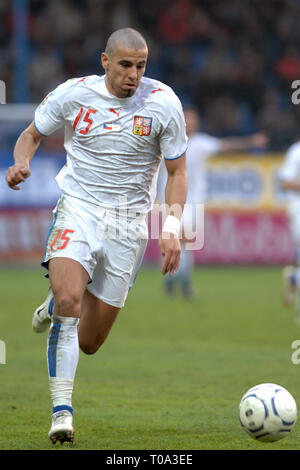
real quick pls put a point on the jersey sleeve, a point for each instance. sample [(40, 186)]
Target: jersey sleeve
[(291, 165), (173, 139), (50, 114)]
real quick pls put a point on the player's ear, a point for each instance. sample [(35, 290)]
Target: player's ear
[(104, 60)]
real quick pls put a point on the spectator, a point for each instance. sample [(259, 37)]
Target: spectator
[(215, 53)]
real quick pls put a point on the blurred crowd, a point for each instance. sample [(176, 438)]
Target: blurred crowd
[(235, 59)]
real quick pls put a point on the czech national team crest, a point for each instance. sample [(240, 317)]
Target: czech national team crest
[(142, 125)]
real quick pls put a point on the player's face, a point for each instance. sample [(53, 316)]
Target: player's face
[(124, 70), (192, 121)]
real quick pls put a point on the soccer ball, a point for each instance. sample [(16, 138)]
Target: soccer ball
[(267, 412)]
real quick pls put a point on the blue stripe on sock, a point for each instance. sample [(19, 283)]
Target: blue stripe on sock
[(50, 309), (61, 408), (52, 348)]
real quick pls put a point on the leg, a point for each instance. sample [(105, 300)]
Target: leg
[(291, 275), (170, 284), (68, 280), (297, 276), (289, 285), (186, 266), (112, 280), (183, 275), (185, 272), (97, 319)]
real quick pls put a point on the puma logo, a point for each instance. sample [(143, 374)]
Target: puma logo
[(112, 110)]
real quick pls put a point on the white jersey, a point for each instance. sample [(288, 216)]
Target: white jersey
[(114, 145), (201, 146), (290, 171)]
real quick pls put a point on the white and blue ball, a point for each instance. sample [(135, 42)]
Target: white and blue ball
[(268, 412)]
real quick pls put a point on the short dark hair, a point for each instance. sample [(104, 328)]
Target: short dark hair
[(127, 37)]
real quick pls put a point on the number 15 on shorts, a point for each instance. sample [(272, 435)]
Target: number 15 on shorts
[(61, 240)]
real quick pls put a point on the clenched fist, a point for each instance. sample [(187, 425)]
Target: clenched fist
[(17, 174)]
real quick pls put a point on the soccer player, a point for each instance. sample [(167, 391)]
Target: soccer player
[(289, 178), (201, 147), (117, 128)]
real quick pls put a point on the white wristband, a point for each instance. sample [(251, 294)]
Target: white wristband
[(172, 225)]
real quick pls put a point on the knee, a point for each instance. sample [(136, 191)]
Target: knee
[(91, 347), (88, 349), (67, 304)]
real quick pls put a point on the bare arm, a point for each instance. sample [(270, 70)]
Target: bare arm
[(25, 148), (236, 144), (175, 196), (176, 187), (292, 185)]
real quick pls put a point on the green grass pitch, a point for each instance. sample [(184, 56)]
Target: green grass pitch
[(172, 372)]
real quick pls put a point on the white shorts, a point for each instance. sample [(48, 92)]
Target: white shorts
[(109, 245), (294, 221)]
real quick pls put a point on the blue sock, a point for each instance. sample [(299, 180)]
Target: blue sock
[(62, 358)]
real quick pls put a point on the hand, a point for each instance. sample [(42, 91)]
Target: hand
[(17, 174), (259, 140), (170, 248)]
